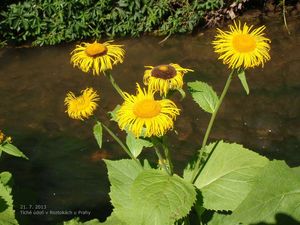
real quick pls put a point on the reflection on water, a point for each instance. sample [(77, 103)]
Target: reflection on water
[(65, 171)]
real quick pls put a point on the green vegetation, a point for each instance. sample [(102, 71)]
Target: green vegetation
[(49, 22), (7, 212)]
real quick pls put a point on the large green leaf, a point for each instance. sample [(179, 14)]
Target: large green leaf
[(297, 170), (12, 150), (121, 175), (188, 172), (159, 199), (111, 220), (7, 213), (228, 175), (136, 145), (76, 221), (276, 190), (204, 95), (97, 130)]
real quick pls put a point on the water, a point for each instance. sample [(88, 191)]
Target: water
[(65, 170)]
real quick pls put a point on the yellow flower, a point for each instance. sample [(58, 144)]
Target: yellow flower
[(163, 78), (98, 57), (4, 138), (144, 116), (1, 136), (242, 47), (82, 106)]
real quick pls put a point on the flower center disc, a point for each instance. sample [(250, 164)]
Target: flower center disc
[(244, 43), (81, 103), (95, 49), (147, 108), (164, 72)]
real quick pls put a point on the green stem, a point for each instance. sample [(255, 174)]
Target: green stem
[(121, 144), (161, 159), (114, 84), (209, 127), (212, 119), (167, 155)]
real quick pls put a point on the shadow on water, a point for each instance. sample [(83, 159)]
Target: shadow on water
[(55, 179), (65, 170)]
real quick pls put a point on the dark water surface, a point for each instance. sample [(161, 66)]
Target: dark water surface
[(65, 170)]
